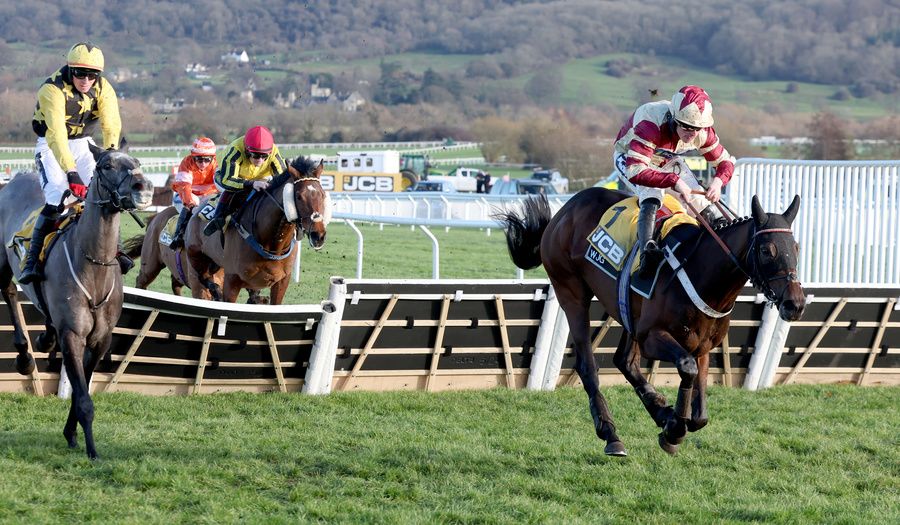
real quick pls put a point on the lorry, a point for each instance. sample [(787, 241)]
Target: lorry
[(365, 171), (463, 179)]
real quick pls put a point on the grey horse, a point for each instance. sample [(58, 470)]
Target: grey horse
[(82, 293)]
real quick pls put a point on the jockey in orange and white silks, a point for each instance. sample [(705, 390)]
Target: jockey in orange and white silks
[(646, 152), (193, 181)]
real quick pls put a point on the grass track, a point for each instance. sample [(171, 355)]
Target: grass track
[(800, 454)]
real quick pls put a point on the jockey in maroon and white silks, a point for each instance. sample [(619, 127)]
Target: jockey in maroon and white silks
[(646, 157)]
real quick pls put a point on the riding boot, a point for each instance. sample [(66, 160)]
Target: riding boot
[(713, 217), (651, 255), (125, 262), (222, 208), (46, 223), (178, 238)]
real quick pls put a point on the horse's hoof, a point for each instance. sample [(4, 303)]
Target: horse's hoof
[(615, 448), (665, 445), (24, 364), (45, 342)]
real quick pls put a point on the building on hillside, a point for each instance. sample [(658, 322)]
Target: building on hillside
[(353, 102), (236, 57), (167, 106)]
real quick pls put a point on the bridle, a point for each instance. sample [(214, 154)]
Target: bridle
[(289, 209), (761, 283), (765, 284), (115, 201)]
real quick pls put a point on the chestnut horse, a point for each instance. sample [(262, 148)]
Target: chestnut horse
[(668, 326), (155, 256), (259, 247), (81, 297)]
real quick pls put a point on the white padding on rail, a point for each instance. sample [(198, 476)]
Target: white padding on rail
[(752, 381), (543, 343), (320, 373)]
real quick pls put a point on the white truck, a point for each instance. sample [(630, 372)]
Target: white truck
[(463, 179)]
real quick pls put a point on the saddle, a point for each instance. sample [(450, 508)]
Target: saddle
[(612, 243), (21, 240)]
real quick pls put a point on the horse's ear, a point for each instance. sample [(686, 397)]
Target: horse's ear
[(792, 210), (319, 169), (96, 151), (293, 171), (759, 215), (123, 145)]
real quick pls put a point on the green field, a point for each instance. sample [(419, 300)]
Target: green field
[(798, 454)]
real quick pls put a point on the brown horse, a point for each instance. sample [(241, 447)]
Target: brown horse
[(155, 256), (81, 298), (668, 326), (258, 249)]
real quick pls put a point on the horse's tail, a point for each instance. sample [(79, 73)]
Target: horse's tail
[(132, 247), (524, 232)]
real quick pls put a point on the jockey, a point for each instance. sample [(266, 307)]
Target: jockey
[(193, 181), (70, 103), (250, 163), (644, 150)]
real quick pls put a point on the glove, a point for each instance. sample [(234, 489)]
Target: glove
[(260, 185), (76, 185)]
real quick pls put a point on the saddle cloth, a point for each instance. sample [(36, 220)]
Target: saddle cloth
[(167, 233), (611, 241), (21, 240), (206, 211)]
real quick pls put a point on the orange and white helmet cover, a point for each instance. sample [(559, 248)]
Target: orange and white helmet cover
[(203, 147)]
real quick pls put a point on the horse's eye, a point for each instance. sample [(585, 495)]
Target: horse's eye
[(767, 251)]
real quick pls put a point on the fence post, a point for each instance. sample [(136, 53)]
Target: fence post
[(320, 373)]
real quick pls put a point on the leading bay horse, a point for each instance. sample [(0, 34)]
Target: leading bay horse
[(82, 293), (668, 326), (154, 256), (259, 246)]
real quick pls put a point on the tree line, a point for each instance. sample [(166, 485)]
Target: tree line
[(823, 41)]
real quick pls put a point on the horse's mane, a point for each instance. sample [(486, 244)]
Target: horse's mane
[(304, 165)]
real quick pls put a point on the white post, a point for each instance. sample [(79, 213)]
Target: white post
[(776, 348), (543, 342), (761, 348), (320, 373)]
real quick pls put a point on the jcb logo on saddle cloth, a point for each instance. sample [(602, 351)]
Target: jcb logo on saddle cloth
[(604, 244)]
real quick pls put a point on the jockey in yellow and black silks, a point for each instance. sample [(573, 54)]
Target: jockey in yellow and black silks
[(251, 162), (70, 104)]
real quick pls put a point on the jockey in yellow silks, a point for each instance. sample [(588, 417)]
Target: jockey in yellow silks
[(251, 162), (70, 104)]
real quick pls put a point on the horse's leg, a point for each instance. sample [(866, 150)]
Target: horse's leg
[(82, 406), (699, 413), (277, 291), (662, 346), (628, 360), (233, 286), (176, 286), (576, 305), (151, 265), (24, 361)]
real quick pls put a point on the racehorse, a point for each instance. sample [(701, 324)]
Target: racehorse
[(81, 297), (155, 256), (669, 326), (258, 249)]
